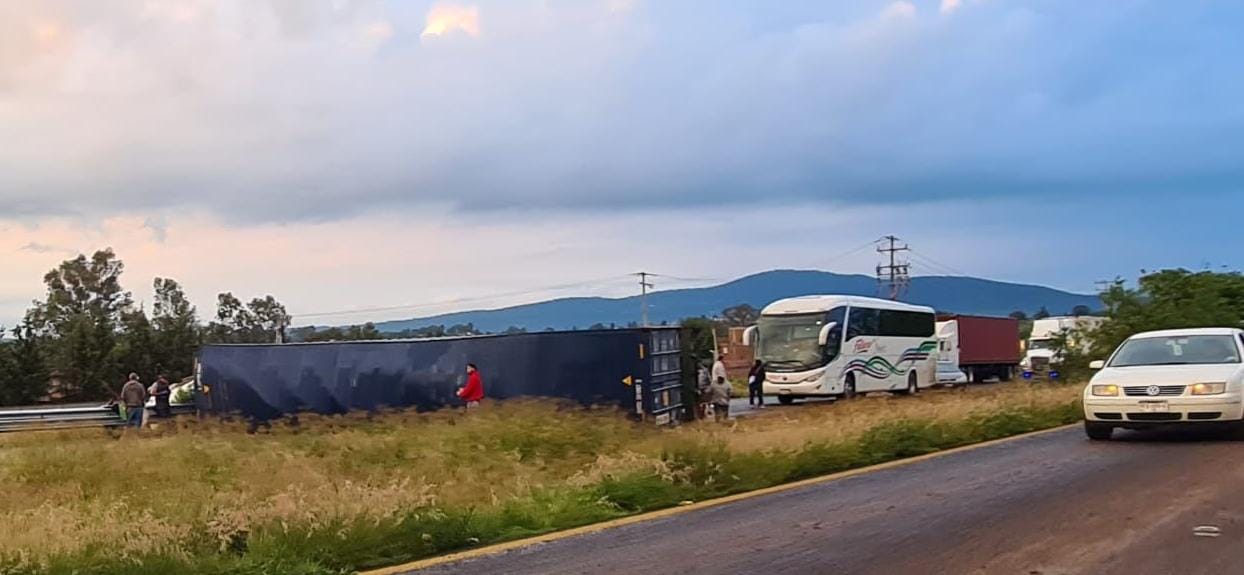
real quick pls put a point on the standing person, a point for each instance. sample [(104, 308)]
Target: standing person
[(703, 388), (756, 385), (162, 392), (719, 369), (473, 391), (721, 400), (134, 398)]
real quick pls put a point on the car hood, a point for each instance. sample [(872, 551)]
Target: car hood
[(1166, 374)]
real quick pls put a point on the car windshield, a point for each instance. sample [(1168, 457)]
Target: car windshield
[(1177, 350), (789, 342)]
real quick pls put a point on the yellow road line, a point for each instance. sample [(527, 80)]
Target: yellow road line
[(672, 511)]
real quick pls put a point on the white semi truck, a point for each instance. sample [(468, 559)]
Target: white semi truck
[(1041, 342)]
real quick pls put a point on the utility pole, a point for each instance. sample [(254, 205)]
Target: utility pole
[(894, 275), (644, 286)]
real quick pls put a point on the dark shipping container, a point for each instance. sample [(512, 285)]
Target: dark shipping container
[(988, 346), (635, 369)]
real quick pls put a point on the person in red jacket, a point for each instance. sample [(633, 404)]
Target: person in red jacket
[(473, 391)]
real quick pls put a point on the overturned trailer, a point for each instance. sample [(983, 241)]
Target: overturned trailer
[(636, 369)]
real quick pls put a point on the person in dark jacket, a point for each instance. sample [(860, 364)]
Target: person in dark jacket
[(162, 392), (473, 391), (756, 385), (134, 397)]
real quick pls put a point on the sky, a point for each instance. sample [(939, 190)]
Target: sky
[(430, 156)]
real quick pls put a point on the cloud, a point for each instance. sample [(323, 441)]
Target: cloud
[(949, 6), (290, 110), (900, 10), (39, 248), (444, 19), (377, 32)]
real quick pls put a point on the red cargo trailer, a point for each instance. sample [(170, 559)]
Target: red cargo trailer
[(983, 347)]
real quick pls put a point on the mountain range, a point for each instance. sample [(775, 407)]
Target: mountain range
[(955, 294)]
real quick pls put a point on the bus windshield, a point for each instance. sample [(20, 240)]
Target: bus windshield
[(789, 342)]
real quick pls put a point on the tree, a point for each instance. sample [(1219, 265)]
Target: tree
[(741, 315), (514, 330), (363, 332), (175, 324), (1041, 313), (79, 320), (597, 326), (1169, 299), (23, 370), (136, 347), (263, 320), (1081, 310), (1019, 315)]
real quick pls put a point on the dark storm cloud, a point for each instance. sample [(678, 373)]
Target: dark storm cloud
[(319, 110)]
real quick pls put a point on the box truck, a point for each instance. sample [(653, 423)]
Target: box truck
[(981, 347)]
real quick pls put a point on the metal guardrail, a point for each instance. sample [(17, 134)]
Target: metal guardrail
[(49, 418)]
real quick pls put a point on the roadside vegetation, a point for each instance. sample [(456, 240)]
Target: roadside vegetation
[(1167, 299), (335, 495)]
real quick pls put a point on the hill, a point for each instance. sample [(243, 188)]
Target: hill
[(950, 294)]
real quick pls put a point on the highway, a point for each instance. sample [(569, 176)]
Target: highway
[(1047, 504)]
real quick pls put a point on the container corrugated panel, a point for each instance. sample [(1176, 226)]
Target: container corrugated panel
[(609, 367), (987, 340)]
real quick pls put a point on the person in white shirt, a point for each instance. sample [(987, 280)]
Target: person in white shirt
[(719, 370)]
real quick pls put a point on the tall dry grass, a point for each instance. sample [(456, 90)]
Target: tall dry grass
[(194, 487)]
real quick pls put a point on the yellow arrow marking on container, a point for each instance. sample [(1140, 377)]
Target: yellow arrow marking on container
[(628, 380)]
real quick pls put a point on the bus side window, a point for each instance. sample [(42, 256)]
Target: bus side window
[(862, 322)]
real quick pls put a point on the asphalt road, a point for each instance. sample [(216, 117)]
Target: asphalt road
[(1050, 504)]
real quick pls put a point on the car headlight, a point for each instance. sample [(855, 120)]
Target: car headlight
[(1106, 390), (1207, 388), (813, 377)]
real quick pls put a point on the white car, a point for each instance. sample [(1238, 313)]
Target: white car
[(950, 374), (1165, 378)]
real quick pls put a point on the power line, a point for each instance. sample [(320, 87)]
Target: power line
[(832, 259), (932, 261), (931, 267), (682, 279)]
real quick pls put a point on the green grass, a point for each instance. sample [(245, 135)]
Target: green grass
[(339, 496)]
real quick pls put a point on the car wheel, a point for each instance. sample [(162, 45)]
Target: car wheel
[(1098, 431), (785, 399)]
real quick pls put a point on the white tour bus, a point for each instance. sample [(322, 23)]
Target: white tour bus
[(833, 345)]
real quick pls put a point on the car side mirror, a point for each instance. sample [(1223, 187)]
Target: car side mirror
[(1097, 364), (823, 337), (749, 336)]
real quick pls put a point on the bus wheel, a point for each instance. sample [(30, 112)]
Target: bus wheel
[(786, 399), (848, 390), (913, 386)]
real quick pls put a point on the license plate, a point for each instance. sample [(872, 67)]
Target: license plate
[(1155, 407)]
